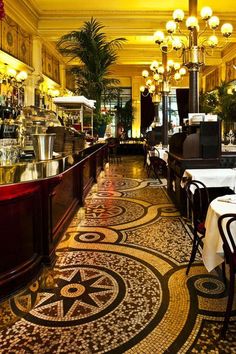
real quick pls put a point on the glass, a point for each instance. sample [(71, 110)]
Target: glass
[(9, 152)]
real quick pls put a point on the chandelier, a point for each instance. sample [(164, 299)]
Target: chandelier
[(158, 85), (162, 76), (195, 45)]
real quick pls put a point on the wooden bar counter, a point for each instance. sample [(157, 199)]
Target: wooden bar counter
[(37, 201)]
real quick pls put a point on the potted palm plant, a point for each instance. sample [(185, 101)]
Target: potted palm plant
[(96, 54), (222, 102)]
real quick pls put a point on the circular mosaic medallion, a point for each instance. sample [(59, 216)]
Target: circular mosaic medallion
[(120, 184), (105, 212), (209, 286), (90, 237), (105, 294), (81, 294)]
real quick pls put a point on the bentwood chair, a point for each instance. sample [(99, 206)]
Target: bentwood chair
[(198, 202), (227, 228), (113, 145)]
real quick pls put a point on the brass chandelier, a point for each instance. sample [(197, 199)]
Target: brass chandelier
[(194, 46)]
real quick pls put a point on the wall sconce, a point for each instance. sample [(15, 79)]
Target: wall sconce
[(9, 75), (53, 92)]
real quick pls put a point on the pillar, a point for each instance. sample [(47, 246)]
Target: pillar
[(136, 124)]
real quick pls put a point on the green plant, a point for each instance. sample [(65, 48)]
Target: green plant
[(220, 102), (96, 55), (125, 116)]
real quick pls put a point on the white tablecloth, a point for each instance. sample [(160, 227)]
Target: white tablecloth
[(213, 177), (213, 254)]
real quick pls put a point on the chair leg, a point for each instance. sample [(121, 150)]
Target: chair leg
[(193, 253), (224, 274), (229, 303)]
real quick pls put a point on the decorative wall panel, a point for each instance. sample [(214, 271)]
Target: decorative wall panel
[(212, 80), (230, 74), (9, 37), (15, 41), (50, 65), (70, 81), (24, 47)]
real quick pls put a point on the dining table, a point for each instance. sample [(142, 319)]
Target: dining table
[(212, 177), (213, 253)]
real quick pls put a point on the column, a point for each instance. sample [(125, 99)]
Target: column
[(165, 92), (136, 124), (194, 66)]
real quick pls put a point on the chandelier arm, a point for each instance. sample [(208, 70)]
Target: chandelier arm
[(207, 52), (203, 31), (182, 34)]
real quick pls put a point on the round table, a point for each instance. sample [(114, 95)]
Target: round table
[(213, 254)]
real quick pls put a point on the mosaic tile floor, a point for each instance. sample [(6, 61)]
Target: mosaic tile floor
[(119, 283)]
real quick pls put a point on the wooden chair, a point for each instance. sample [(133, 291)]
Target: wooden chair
[(198, 201), (227, 228), (113, 145)]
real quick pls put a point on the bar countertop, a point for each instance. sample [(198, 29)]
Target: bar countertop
[(25, 171)]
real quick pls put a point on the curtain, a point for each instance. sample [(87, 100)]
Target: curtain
[(182, 103)]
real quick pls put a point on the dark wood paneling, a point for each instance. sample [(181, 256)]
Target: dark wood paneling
[(34, 216)]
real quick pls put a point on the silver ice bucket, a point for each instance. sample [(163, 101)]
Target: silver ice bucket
[(43, 146)]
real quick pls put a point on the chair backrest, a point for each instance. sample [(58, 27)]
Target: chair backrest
[(227, 229), (198, 197)]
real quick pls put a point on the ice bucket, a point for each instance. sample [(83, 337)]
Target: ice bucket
[(43, 145)]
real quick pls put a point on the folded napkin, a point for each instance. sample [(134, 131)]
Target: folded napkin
[(228, 199)]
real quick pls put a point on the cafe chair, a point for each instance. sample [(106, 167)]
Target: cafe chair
[(158, 167), (198, 202), (113, 145), (227, 229)]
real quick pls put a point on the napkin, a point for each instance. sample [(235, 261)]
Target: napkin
[(228, 199)]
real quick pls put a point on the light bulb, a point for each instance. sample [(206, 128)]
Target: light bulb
[(170, 63), (182, 71), (178, 15), (206, 13), (149, 82), (56, 93), (191, 22), (212, 41), (156, 77), (22, 75), (176, 43), (145, 73), (11, 72), (226, 29), (142, 88), (152, 88), (176, 66), (214, 22), (171, 26), (159, 37), (177, 76), (154, 65), (161, 70)]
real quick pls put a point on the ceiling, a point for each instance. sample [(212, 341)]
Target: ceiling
[(136, 20)]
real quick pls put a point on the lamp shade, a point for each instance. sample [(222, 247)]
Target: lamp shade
[(206, 13), (226, 29), (178, 15)]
